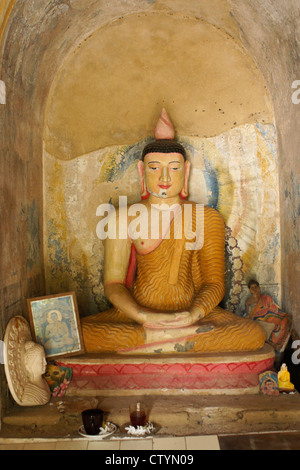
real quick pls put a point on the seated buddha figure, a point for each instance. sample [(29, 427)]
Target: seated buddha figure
[(284, 379), (165, 295)]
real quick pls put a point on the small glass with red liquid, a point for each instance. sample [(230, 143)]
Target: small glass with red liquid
[(138, 415)]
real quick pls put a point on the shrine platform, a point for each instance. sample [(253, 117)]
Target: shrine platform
[(205, 374)]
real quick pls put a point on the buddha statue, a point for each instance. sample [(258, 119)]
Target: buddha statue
[(25, 365), (165, 292), (284, 379), (36, 391)]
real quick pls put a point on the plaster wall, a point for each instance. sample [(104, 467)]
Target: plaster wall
[(111, 88), (270, 31)]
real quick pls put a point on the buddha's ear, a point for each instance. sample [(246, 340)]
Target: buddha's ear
[(140, 166), (185, 190)]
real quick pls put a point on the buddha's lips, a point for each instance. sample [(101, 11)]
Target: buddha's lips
[(164, 186)]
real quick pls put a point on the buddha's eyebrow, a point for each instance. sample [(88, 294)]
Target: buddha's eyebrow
[(154, 161)]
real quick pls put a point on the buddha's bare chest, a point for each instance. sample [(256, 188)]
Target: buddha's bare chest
[(147, 233), (144, 246)]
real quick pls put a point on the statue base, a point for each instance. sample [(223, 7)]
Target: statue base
[(206, 374)]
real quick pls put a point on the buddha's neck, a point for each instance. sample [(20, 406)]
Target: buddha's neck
[(170, 201)]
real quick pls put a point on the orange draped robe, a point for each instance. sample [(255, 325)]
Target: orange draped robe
[(172, 278)]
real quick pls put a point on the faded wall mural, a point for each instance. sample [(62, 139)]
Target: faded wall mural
[(234, 172)]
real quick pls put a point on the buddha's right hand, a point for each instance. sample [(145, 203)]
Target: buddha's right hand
[(168, 320)]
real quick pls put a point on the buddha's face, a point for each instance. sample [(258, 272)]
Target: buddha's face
[(35, 362), (164, 174)]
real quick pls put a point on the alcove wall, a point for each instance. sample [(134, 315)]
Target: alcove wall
[(97, 122), (57, 125)]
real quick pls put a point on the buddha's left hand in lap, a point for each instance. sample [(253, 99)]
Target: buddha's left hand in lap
[(173, 320), (170, 333)]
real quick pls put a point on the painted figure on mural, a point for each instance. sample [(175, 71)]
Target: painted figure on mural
[(262, 307), (165, 291)]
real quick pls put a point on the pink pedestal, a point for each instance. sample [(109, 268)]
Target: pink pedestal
[(225, 373)]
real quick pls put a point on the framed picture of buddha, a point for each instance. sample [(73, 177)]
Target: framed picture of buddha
[(55, 324)]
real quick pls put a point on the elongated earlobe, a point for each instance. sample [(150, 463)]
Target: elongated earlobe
[(144, 192), (145, 195), (185, 190)]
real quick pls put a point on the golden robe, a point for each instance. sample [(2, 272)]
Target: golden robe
[(173, 278)]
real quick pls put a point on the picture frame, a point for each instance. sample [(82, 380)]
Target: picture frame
[(268, 383), (55, 324)]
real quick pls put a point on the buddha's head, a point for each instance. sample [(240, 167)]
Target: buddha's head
[(164, 170), (34, 360), (54, 316)]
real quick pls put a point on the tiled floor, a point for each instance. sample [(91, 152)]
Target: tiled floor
[(158, 443), (260, 441)]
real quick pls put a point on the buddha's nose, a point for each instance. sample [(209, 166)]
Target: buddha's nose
[(165, 175)]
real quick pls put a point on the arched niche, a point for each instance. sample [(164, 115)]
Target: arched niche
[(102, 107)]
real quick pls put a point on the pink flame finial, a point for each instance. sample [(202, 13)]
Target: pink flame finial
[(164, 128)]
